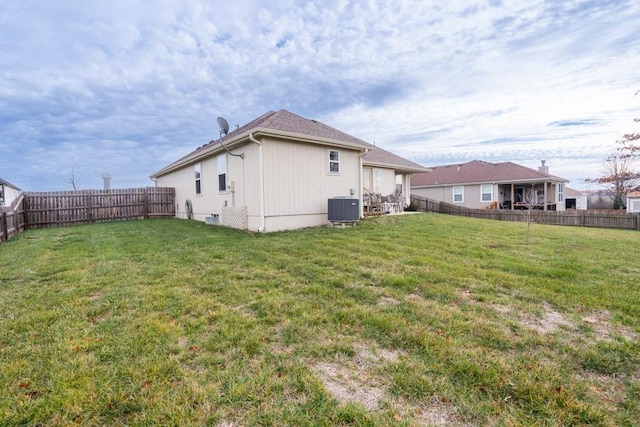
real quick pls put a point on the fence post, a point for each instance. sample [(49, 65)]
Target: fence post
[(145, 203), (4, 229)]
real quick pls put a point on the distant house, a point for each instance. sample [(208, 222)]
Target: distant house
[(478, 185), (279, 171), (633, 201), (574, 199), (8, 192)]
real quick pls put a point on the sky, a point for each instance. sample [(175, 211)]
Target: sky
[(124, 88)]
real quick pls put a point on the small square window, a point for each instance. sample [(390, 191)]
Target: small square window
[(334, 161)]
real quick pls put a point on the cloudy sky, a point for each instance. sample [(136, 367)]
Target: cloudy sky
[(126, 87)]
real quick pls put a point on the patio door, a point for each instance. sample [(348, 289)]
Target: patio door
[(371, 180), (367, 182)]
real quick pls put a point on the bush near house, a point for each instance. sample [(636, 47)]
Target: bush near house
[(400, 320)]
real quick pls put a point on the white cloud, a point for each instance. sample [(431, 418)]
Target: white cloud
[(130, 87)]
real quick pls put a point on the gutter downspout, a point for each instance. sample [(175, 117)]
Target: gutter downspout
[(261, 176), (366, 150)]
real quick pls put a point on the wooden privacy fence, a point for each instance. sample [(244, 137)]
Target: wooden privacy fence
[(64, 208), (604, 219), (12, 219)]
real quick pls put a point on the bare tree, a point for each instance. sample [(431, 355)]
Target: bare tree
[(72, 179), (619, 176), (530, 200)]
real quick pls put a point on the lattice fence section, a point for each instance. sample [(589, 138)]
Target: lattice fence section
[(235, 217)]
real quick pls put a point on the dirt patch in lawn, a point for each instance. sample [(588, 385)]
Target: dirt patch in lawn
[(386, 301), (354, 379), (549, 322), (438, 413), (605, 329)]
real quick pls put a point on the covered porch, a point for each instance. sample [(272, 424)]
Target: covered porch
[(545, 195)]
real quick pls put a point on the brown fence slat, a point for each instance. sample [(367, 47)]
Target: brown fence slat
[(608, 219)]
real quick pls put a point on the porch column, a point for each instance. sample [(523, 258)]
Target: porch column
[(513, 195), (545, 196)]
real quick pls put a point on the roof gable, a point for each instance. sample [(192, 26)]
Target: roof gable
[(477, 171), (285, 124)]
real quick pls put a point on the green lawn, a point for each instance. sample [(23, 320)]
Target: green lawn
[(402, 320)]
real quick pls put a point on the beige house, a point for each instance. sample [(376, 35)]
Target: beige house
[(8, 193), (633, 201), (479, 185), (278, 172)]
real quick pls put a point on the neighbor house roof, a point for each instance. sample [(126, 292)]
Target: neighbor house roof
[(477, 171), (571, 192), (8, 184), (633, 194), (284, 124)]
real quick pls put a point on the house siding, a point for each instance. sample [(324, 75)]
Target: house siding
[(10, 194), (471, 196), (298, 182), (240, 175)]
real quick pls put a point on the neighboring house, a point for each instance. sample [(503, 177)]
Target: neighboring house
[(8, 192), (574, 199), (478, 185), (633, 201), (278, 172)]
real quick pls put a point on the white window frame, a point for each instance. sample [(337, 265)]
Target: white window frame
[(333, 166), (561, 192), (484, 193), (197, 171), (461, 193), (221, 161)]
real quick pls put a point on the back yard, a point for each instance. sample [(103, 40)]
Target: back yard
[(406, 320)]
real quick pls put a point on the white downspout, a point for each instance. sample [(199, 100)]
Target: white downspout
[(366, 150), (261, 184)]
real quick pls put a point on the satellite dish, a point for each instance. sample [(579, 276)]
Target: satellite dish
[(224, 126), (224, 129)]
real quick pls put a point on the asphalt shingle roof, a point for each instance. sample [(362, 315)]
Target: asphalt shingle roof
[(285, 122), (477, 171)]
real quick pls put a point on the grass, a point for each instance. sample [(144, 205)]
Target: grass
[(402, 320)]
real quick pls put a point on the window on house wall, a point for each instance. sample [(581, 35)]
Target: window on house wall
[(198, 176), (487, 192), (377, 181), (561, 192), (222, 172), (458, 194), (334, 161)]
